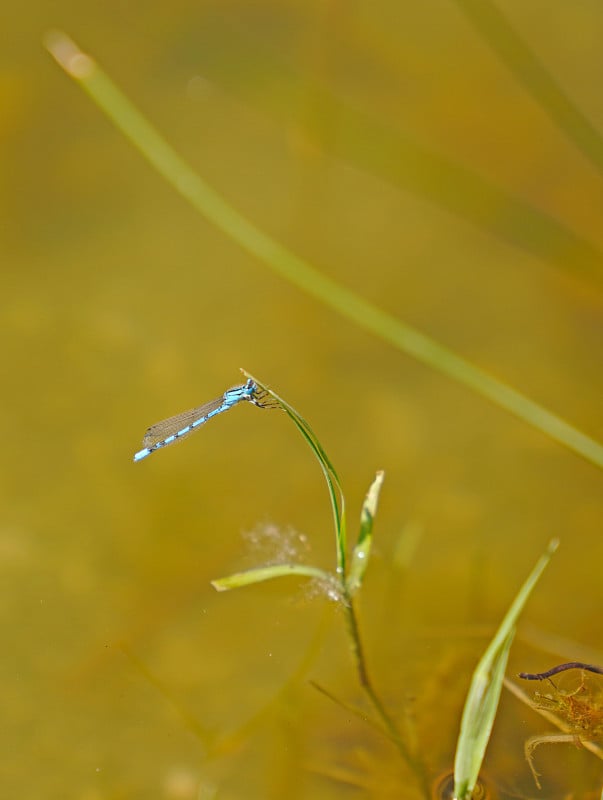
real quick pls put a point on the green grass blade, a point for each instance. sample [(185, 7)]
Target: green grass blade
[(478, 718), (298, 272), (362, 551), (517, 56), (331, 477), (259, 574), (482, 699)]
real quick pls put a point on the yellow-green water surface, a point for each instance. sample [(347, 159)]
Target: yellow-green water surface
[(408, 152)]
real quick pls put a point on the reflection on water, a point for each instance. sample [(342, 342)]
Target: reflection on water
[(120, 306), (443, 789)]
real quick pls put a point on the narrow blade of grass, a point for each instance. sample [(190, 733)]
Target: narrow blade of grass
[(478, 718), (362, 551), (259, 574), (482, 700), (294, 269), (531, 73), (331, 477)]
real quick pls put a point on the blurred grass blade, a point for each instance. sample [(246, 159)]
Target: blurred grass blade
[(260, 574), (205, 735), (499, 34), (331, 477), (362, 551), (395, 156), (484, 692), (294, 269), (406, 546)]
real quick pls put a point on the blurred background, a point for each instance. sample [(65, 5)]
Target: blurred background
[(406, 151)]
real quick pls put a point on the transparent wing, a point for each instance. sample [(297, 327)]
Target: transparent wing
[(173, 425)]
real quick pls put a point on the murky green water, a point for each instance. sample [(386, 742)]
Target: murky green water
[(392, 149)]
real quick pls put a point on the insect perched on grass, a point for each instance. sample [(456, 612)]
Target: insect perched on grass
[(577, 712)]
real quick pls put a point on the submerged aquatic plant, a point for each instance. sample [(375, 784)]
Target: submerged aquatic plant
[(577, 712)]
